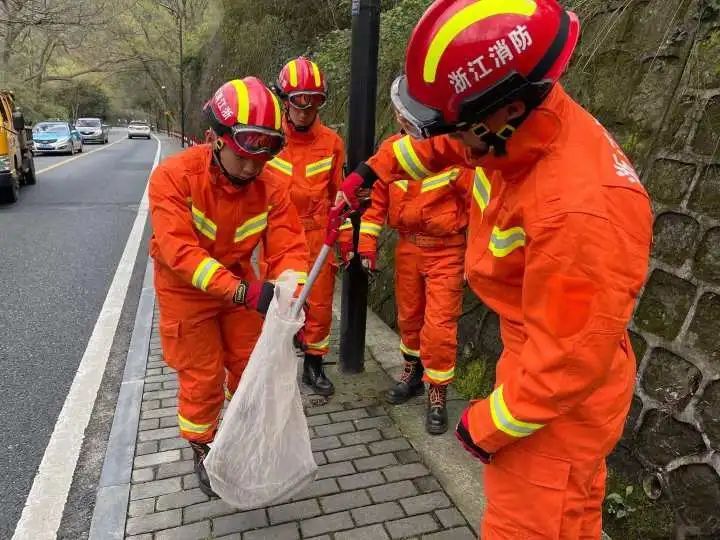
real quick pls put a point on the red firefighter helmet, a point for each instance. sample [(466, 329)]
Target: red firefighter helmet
[(246, 115), (468, 58), (302, 84)]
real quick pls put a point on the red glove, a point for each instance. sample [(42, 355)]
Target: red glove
[(368, 259), (256, 295), (349, 190), (336, 218), (462, 433)]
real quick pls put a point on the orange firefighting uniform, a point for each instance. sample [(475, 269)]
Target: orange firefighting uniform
[(204, 232), (558, 245), (431, 219), (311, 165)]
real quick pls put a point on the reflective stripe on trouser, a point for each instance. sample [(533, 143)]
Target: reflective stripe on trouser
[(319, 316), (428, 290), (203, 350)]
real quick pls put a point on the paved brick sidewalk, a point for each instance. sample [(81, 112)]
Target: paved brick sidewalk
[(370, 485)]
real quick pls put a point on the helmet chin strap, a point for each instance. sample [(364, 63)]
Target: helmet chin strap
[(234, 180), (497, 140), (299, 129)]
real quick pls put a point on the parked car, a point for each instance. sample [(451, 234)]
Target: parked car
[(138, 129), (92, 130), (16, 160), (56, 138)]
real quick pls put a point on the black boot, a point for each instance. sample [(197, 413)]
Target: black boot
[(201, 450), (436, 422), (314, 376), (410, 383)]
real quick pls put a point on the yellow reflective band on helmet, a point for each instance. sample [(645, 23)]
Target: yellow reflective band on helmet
[(402, 184), (204, 273), (292, 68), (316, 74), (191, 427), (466, 17), (505, 421), (243, 101), (322, 344), (481, 189), (281, 165), (203, 224), (410, 352), (251, 227), (436, 182), (319, 167), (440, 376), (408, 159), (502, 243), (278, 112), (347, 225), (373, 229), (302, 278)]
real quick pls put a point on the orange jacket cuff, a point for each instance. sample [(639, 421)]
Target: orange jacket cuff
[(483, 430)]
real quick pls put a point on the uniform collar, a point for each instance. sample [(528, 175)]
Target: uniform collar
[(533, 138), (293, 135)]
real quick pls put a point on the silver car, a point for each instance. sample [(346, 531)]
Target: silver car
[(56, 137), (138, 129), (92, 130)]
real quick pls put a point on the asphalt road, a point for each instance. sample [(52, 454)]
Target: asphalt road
[(59, 249)]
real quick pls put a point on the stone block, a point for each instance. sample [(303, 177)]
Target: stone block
[(168, 421), (326, 524), (461, 533), (405, 472), (156, 434), (392, 445), (639, 346), (697, 487), (319, 488), (408, 456), (181, 499), (426, 484), (241, 522), (177, 468), (704, 331), (670, 379), (190, 481), (210, 509), (325, 443), (361, 437), (346, 453), (450, 517), (374, 422), (669, 180), (152, 423), (344, 501), (353, 414), (391, 492), (141, 507), (143, 475), (318, 420), (319, 458), (186, 532), (153, 522), (665, 304), (707, 258), (361, 480), (422, 504), (172, 444), (149, 460), (331, 470), (675, 236), (377, 513), (287, 531), (662, 438), (403, 528), (334, 429), (294, 511), (708, 129), (709, 411), (374, 532), (155, 488), (149, 447), (375, 462)]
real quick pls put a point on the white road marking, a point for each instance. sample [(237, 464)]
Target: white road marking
[(45, 504), (78, 156)]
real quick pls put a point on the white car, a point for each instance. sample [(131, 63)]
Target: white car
[(138, 129)]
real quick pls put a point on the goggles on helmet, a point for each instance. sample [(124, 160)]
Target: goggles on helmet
[(307, 100), (257, 140)]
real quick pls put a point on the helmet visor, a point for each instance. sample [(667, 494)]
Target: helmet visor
[(419, 121), (307, 100), (257, 140)]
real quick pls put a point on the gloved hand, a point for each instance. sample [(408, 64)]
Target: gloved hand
[(368, 259), (346, 252), (256, 295), (349, 190), (462, 434)]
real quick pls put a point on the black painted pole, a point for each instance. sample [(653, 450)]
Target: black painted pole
[(360, 145)]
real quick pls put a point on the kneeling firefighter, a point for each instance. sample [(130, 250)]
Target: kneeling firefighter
[(558, 246), (210, 207)]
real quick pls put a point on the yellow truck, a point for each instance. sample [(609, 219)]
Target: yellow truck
[(17, 167)]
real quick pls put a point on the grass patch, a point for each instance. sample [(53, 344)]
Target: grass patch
[(475, 378)]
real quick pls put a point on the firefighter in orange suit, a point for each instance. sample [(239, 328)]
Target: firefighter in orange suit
[(558, 245), (312, 166), (210, 206), (431, 219)]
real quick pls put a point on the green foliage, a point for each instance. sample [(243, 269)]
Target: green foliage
[(475, 378)]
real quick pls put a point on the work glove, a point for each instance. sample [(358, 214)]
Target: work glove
[(353, 194), (462, 434), (255, 295), (345, 251)]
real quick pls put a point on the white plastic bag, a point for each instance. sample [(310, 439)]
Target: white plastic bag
[(261, 454)]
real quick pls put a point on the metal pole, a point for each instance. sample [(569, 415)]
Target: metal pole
[(361, 143), (181, 15)]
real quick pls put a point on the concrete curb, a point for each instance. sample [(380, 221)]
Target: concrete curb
[(110, 511)]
